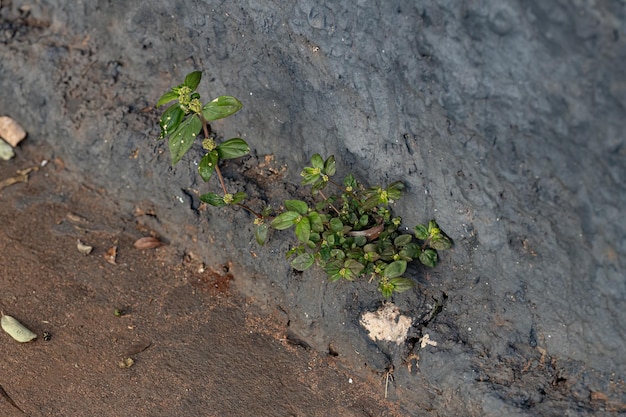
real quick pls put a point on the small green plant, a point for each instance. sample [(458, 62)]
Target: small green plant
[(353, 233), (349, 234), (183, 122)]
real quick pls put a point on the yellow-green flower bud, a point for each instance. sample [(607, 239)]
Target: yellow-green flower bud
[(228, 198), (208, 144)]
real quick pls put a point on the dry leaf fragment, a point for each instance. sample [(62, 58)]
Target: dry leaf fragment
[(82, 248), (16, 330), (111, 254), (148, 242)]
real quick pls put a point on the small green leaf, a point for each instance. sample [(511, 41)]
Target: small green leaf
[(239, 197), (303, 262), (193, 79), (360, 240), (303, 229), (386, 288), (412, 250), (421, 232), (182, 138), (297, 205), (428, 257), (213, 199), (354, 266), (333, 268), (364, 220), (337, 254), (401, 284), (310, 175), (395, 269), (221, 107), (260, 234), (402, 240), (440, 242), (394, 191), (330, 166), (170, 120), (336, 225), (317, 225), (233, 148), (371, 202), (207, 165), (285, 220), (317, 161), (166, 98)]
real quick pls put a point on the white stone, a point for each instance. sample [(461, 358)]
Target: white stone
[(6, 151)]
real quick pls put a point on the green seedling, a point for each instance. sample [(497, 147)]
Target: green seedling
[(350, 234)]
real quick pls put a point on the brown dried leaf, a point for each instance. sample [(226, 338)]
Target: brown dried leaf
[(148, 242), (111, 254)]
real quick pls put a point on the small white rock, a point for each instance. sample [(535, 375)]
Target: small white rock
[(11, 131)]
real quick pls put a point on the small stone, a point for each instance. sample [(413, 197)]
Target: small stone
[(11, 131), (6, 151)]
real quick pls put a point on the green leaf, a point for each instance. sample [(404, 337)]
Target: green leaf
[(336, 225), (421, 232), (364, 220), (386, 288), (166, 98), (337, 254), (412, 250), (303, 262), (207, 165), (317, 161), (401, 284), (193, 79), (440, 242), (182, 138), (239, 197), (170, 120), (394, 191), (333, 268), (309, 175), (213, 199), (303, 230), (285, 220), (316, 222), (233, 148), (371, 202), (221, 107), (260, 234), (330, 166), (297, 205), (395, 269), (428, 257), (354, 266), (402, 240)]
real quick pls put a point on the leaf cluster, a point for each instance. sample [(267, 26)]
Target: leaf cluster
[(352, 234), (183, 123)]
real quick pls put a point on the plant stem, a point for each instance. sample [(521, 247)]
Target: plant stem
[(243, 206), (330, 204), (205, 129), (350, 193)]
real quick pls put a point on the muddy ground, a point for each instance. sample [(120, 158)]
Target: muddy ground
[(199, 348)]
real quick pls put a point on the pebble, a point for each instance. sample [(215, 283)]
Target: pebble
[(6, 151), (11, 131)]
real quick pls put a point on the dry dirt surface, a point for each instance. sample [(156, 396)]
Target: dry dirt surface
[(140, 332)]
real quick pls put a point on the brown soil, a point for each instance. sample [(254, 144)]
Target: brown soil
[(199, 347)]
